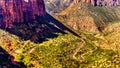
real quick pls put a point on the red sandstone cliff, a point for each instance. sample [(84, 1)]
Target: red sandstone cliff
[(19, 11), (100, 2)]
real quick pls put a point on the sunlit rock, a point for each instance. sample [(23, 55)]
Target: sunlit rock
[(19, 11)]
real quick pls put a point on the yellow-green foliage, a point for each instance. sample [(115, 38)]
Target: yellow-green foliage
[(59, 52), (105, 63), (9, 41), (112, 35), (67, 50)]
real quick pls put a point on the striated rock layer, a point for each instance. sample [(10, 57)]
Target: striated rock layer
[(107, 2), (101, 2), (57, 6), (19, 11)]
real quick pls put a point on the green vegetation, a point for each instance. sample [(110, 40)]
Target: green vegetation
[(65, 51), (93, 49)]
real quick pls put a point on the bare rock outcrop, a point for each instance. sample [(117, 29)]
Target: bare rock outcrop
[(100, 2), (19, 11), (108, 2)]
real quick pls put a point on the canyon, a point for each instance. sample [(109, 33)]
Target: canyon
[(73, 33)]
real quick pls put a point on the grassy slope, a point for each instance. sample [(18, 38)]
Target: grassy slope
[(61, 52), (112, 35)]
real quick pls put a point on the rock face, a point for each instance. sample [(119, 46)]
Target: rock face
[(101, 2), (108, 2), (56, 6), (19, 11)]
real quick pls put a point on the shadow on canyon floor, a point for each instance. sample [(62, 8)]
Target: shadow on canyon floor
[(7, 61), (39, 30)]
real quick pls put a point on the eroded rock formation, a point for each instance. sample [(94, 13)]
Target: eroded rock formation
[(100, 2), (19, 11), (108, 2)]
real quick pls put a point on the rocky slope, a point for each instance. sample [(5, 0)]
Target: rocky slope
[(84, 16), (56, 6)]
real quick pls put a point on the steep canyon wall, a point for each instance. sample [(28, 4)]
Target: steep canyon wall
[(101, 2), (19, 11)]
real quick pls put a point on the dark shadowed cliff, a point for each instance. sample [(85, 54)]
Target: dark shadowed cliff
[(19, 11), (29, 20), (8, 61)]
